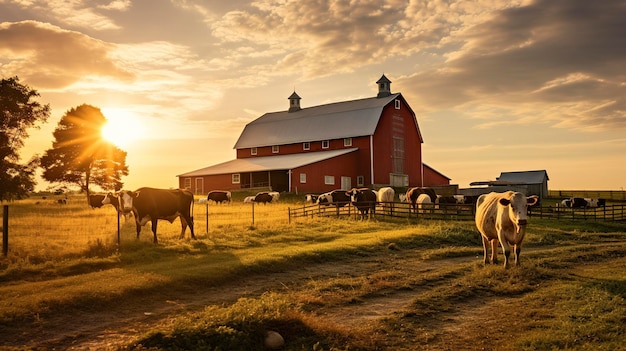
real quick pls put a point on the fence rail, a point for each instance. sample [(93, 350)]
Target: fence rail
[(612, 213)]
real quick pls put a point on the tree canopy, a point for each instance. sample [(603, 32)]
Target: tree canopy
[(79, 155), (19, 111)]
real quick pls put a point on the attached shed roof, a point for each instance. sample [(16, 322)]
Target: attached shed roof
[(325, 122), (525, 177), (267, 163)]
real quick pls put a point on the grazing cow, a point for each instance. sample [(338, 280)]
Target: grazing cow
[(402, 197), (150, 204), (219, 196), (337, 198), (310, 198), (275, 195), (364, 199), (263, 198), (413, 193), (424, 202), (566, 203), (385, 196), (248, 200), (578, 202), (503, 217), (95, 200), (595, 202)]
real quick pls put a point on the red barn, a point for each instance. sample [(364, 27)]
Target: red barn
[(368, 142)]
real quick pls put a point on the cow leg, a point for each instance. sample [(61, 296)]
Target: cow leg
[(154, 229), (518, 250), (138, 225), (485, 249), (494, 251)]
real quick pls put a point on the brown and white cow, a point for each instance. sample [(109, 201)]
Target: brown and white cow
[(219, 196), (364, 199), (151, 204), (503, 217), (413, 193)]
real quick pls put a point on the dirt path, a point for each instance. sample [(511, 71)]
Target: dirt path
[(109, 329)]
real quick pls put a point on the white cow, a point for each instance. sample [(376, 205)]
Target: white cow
[(424, 202), (248, 200), (385, 196), (502, 217)]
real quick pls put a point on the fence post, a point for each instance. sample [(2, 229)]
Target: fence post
[(207, 216), (5, 230), (289, 216), (253, 213), (118, 230)]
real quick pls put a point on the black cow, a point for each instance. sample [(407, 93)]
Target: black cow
[(364, 199), (263, 197), (95, 200), (219, 196), (337, 198), (150, 204), (413, 193), (578, 202)]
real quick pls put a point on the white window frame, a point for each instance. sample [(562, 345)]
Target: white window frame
[(253, 151), (302, 178), (275, 149), (236, 178), (347, 141), (329, 180), (397, 101), (325, 144), (306, 146)]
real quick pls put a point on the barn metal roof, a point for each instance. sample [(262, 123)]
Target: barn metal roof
[(267, 163), (526, 177), (325, 122)]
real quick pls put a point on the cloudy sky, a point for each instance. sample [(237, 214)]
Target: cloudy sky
[(496, 85)]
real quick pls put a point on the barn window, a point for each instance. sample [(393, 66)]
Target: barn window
[(253, 151), (329, 180), (302, 178), (275, 149), (360, 181), (236, 178), (187, 183), (347, 141), (397, 104), (306, 146), (325, 144)]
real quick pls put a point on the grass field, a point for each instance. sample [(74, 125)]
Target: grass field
[(323, 284)]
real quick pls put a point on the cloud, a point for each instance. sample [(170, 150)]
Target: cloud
[(53, 57), (74, 13), (559, 61)]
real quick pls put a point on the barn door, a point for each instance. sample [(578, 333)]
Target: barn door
[(346, 183), (199, 186)]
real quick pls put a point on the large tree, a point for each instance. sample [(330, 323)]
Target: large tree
[(18, 112), (79, 155)]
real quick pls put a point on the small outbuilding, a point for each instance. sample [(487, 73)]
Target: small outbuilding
[(528, 182)]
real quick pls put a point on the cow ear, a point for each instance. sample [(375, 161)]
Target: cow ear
[(531, 200), (504, 201)]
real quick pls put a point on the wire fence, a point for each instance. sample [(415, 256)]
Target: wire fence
[(46, 228)]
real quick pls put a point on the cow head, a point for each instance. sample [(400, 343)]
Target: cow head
[(517, 206), (126, 199), (353, 194), (325, 198)]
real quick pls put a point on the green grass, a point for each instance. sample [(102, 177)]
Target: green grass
[(571, 289)]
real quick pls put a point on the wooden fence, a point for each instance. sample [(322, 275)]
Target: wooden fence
[(614, 195), (612, 213)]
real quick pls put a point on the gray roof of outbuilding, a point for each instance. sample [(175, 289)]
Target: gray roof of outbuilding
[(325, 122), (267, 163), (526, 177)]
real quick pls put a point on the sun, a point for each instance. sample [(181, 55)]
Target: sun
[(122, 127)]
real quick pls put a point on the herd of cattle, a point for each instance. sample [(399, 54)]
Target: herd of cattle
[(501, 218)]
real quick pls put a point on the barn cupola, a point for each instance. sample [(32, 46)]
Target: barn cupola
[(294, 102), (384, 87)]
